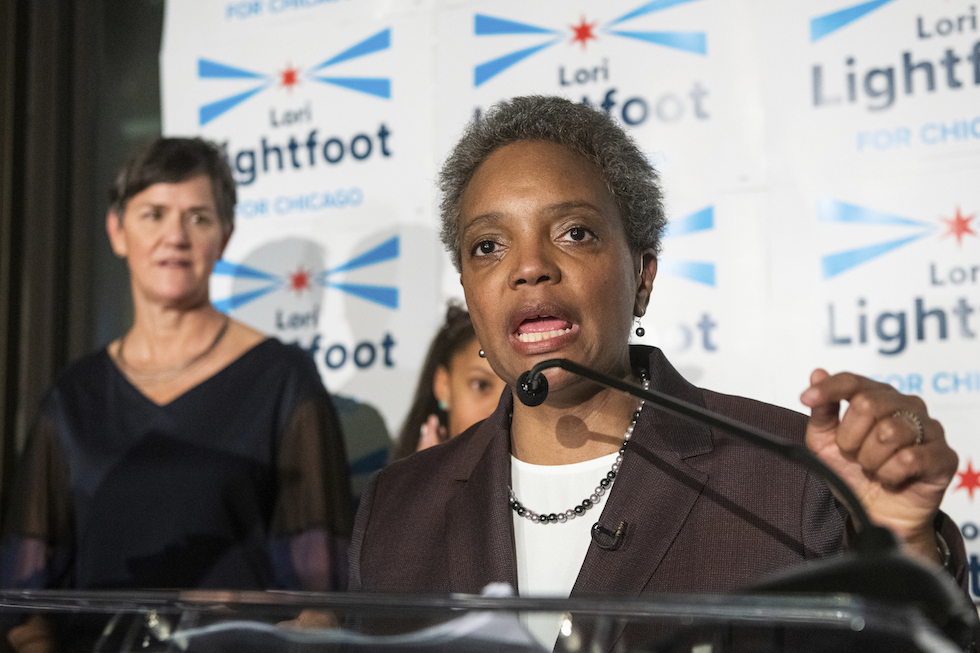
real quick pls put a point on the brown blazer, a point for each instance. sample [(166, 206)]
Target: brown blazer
[(705, 512)]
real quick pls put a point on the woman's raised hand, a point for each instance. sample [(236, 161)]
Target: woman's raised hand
[(887, 448)]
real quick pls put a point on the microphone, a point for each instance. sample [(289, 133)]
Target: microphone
[(532, 389), (875, 568), (607, 539)]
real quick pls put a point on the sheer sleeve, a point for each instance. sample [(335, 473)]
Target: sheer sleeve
[(313, 516), (38, 531)]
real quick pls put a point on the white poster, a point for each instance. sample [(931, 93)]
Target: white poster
[(325, 112), (873, 133), (820, 162)]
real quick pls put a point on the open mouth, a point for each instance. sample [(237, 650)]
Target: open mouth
[(542, 328)]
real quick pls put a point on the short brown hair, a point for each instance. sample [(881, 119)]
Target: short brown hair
[(173, 160)]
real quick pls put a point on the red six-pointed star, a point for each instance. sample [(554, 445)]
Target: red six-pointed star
[(959, 226), (299, 280), (583, 32), (289, 77), (969, 479)]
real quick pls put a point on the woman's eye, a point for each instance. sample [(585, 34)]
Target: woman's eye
[(197, 218), (485, 247), (480, 385), (579, 233)]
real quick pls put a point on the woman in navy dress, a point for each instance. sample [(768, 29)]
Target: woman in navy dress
[(192, 452)]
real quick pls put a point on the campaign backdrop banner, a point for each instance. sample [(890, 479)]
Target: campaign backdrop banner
[(873, 134), (820, 164), (326, 116)]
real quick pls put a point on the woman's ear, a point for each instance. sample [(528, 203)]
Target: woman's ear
[(117, 237), (647, 273), (440, 387)]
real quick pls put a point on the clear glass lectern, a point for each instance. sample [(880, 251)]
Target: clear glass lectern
[(295, 622)]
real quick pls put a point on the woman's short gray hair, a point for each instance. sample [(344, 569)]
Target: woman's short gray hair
[(630, 178)]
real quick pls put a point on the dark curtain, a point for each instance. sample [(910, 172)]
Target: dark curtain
[(48, 119), (79, 91)]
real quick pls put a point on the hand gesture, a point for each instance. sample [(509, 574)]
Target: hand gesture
[(887, 448), (432, 433)]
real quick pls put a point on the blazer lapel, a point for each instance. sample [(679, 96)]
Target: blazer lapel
[(654, 492), (479, 528)]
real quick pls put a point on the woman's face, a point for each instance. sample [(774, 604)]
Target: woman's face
[(171, 237), (468, 387), (546, 268)]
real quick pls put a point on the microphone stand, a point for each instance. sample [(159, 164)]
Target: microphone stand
[(875, 568)]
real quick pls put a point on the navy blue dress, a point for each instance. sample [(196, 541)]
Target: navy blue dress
[(239, 483)]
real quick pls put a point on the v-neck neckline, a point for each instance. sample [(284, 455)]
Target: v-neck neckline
[(234, 363)]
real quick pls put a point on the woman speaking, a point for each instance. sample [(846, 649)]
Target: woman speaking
[(553, 217), (192, 452)]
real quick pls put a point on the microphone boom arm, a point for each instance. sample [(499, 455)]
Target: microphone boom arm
[(795, 452), (876, 570)]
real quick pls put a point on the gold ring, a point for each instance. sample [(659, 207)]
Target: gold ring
[(920, 432)]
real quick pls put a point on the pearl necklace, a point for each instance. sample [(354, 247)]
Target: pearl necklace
[(604, 484)]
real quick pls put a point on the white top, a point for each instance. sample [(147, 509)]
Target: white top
[(549, 556)]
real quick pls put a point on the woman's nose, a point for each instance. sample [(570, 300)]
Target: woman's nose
[(533, 265), (176, 231)]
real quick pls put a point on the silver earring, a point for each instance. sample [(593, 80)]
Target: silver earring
[(639, 331), (482, 354)]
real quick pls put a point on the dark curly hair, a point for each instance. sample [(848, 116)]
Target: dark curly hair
[(630, 178)]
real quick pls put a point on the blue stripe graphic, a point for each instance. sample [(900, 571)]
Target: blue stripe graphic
[(235, 301), (484, 25), (821, 26), (214, 70), (370, 45), (696, 42), (384, 295), (830, 210), (211, 111), (834, 264), (698, 271), (386, 251), (489, 69), (242, 271), (380, 87), (490, 26), (649, 8), (693, 270), (700, 221)]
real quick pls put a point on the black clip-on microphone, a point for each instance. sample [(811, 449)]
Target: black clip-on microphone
[(874, 568)]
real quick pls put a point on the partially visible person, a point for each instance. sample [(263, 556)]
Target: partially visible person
[(192, 452), (456, 389)]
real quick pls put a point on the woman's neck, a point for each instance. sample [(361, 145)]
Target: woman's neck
[(160, 334), (563, 431)]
